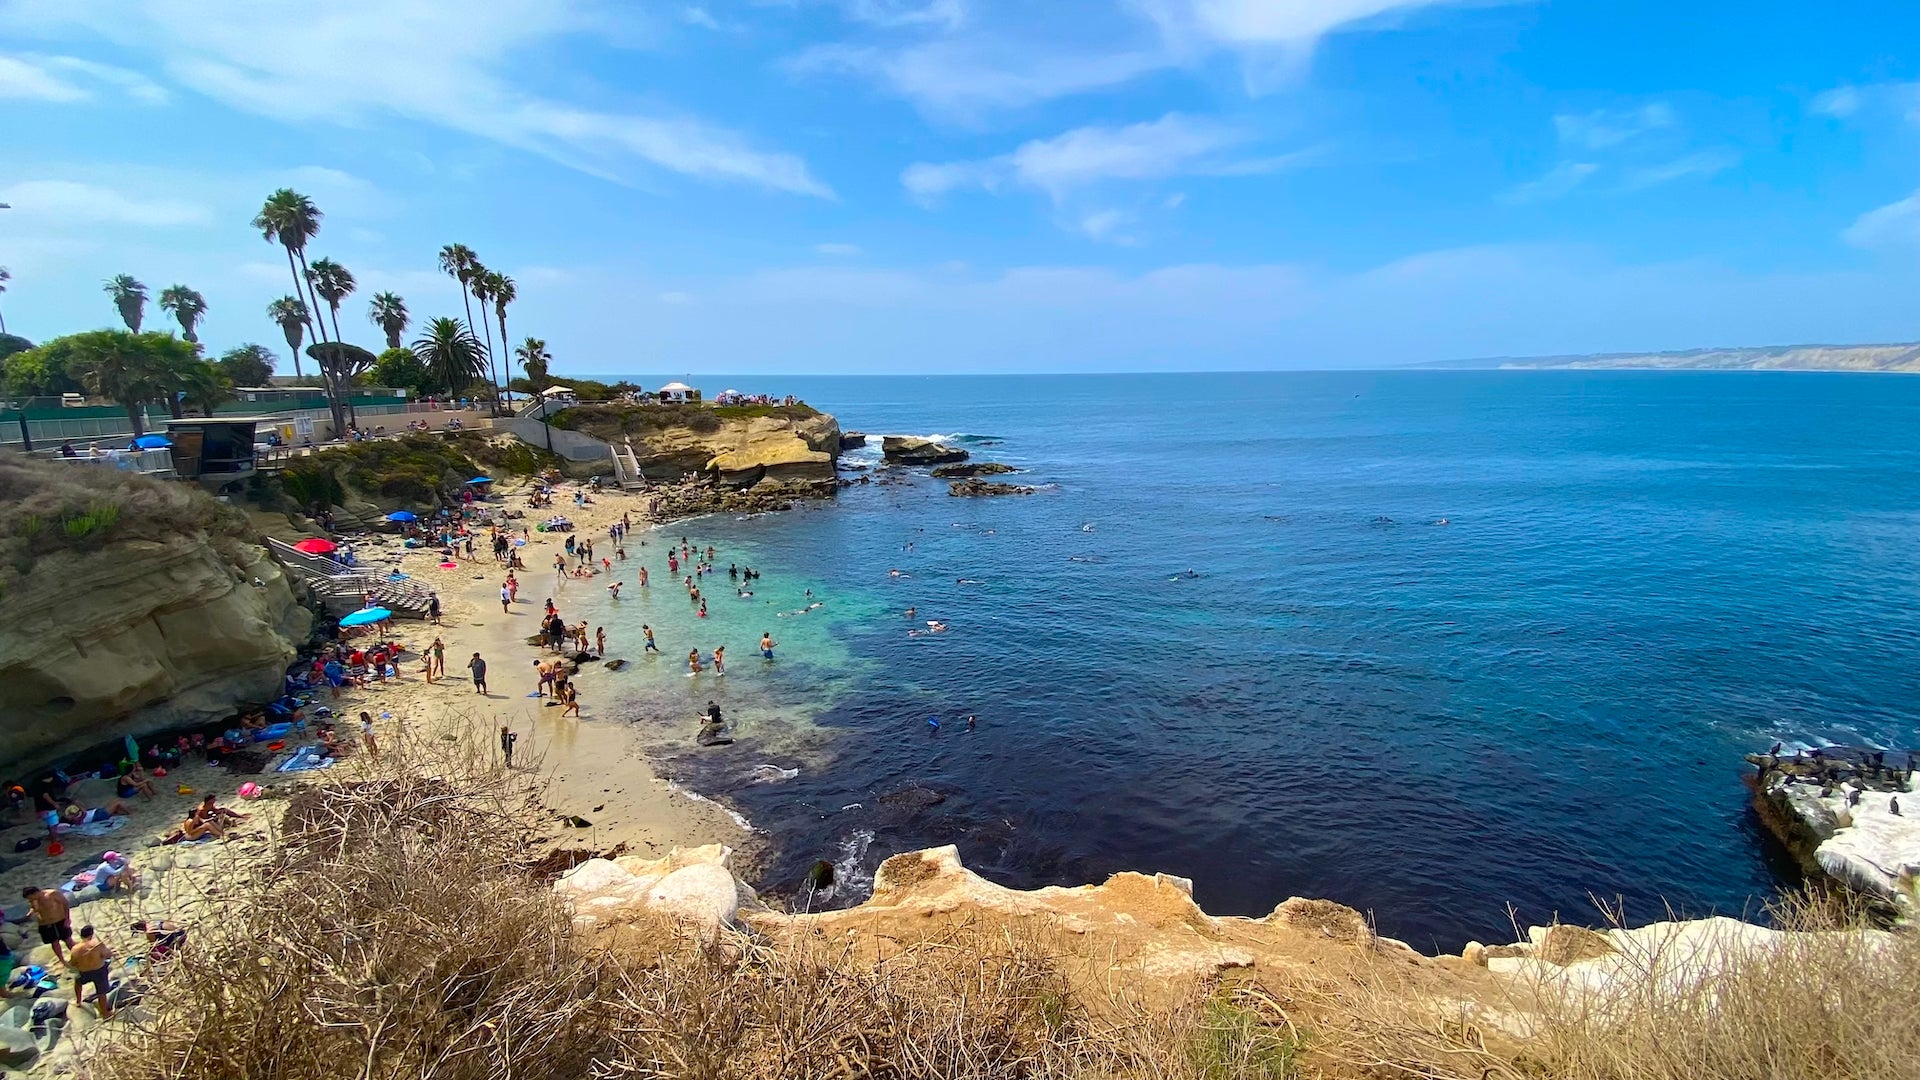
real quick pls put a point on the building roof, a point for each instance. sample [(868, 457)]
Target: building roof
[(556, 390), (673, 387)]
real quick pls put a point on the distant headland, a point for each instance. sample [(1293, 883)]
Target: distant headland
[(1763, 358)]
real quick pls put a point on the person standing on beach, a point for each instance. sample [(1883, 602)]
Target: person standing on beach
[(541, 677), (52, 913), (506, 597), (766, 646), (479, 669), (570, 699), (600, 640), (439, 656), (433, 608), (560, 566), (647, 632), (507, 739), (90, 964), (366, 737)]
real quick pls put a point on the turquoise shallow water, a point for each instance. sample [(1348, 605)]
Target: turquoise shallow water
[(1641, 577)]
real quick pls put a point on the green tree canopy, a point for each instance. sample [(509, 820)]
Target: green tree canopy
[(452, 355), (130, 368), (401, 368), (247, 365)]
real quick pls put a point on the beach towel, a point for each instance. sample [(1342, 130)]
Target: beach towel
[(99, 828)]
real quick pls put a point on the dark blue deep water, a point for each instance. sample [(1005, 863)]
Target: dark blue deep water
[(1639, 578)]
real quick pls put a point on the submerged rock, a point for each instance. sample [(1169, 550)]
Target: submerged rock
[(977, 488), (972, 468)]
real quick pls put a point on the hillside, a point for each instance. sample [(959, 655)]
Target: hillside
[(1764, 358)]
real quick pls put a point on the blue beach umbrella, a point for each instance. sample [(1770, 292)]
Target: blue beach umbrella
[(481, 480), (402, 515), (152, 442), (365, 616)]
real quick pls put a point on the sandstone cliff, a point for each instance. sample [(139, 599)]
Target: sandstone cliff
[(161, 617), (740, 445)]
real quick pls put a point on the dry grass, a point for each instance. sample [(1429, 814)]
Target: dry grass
[(54, 506), (399, 936)]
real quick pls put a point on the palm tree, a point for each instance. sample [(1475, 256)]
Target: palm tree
[(389, 313), (333, 283), (5, 276), (483, 293), (130, 297), (291, 314), (132, 369), (459, 261), (292, 219), (500, 290), (452, 355), (535, 359), (187, 306)]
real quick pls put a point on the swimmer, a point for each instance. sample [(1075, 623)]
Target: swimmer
[(693, 662), (911, 612), (766, 645), (936, 626)]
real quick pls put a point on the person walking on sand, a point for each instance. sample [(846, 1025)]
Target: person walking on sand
[(541, 677), (54, 916), (560, 566), (507, 739), (766, 646), (479, 669), (719, 659), (693, 662), (366, 737), (513, 587), (438, 655), (90, 963), (600, 640), (647, 632), (570, 698), (433, 607), (506, 597)]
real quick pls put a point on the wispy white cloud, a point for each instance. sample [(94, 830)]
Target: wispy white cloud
[(1896, 224), (1698, 163), (1853, 102), (444, 62), (964, 73), (1174, 145), (67, 79), (1107, 226), (1619, 151), (1561, 180), (1603, 129), (838, 250), (70, 203)]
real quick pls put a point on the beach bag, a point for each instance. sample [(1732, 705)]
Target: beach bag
[(249, 790), (184, 789)]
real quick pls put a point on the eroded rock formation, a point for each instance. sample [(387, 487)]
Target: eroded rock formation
[(912, 450), (136, 637)]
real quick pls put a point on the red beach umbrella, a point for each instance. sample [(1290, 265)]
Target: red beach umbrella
[(313, 545)]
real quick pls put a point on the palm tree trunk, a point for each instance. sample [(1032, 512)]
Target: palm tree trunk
[(491, 380), (136, 416), (506, 355), (295, 270), (335, 308)]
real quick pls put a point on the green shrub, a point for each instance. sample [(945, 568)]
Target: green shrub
[(47, 507), (97, 521)]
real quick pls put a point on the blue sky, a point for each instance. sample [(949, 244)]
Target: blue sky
[(979, 185)]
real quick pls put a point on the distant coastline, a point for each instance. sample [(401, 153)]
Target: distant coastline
[(1890, 358)]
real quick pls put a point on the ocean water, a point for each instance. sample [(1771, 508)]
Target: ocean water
[(1452, 642)]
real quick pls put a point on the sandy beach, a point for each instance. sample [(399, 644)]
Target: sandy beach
[(588, 768)]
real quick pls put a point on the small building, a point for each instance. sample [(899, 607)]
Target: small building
[(560, 395), (216, 453), (677, 393)]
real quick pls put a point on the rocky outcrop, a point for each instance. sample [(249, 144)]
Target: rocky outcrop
[(911, 450), (852, 440), (1847, 813), (969, 469), (136, 637), (742, 447), (970, 488)]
